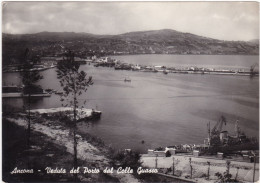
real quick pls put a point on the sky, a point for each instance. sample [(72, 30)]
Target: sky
[(220, 20)]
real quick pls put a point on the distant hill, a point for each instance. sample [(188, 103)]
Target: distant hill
[(161, 35), (254, 41), (164, 41)]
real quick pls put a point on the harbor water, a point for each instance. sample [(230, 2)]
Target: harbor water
[(155, 109)]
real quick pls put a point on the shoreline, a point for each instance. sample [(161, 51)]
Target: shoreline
[(51, 152), (165, 70), (51, 141), (111, 61)]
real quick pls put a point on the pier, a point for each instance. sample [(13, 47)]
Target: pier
[(119, 65)]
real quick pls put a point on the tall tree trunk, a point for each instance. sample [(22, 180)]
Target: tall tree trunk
[(29, 121), (75, 149), (74, 134), (75, 152)]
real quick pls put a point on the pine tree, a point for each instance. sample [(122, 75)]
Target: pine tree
[(29, 79), (74, 83)]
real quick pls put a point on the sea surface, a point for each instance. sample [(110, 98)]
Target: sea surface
[(159, 109)]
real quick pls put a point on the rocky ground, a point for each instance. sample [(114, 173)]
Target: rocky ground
[(52, 146)]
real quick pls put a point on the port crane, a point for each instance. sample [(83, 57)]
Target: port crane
[(213, 134), (237, 129), (218, 127), (252, 69)]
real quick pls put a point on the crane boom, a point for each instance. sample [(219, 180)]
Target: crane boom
[(252, 69), (218, 127)]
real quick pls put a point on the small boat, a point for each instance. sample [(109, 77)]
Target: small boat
[(165, 72), (52, 65), (49, 90), (127, 80), (95, 114)]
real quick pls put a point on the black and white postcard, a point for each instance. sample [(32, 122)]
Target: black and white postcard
[(121, 91)]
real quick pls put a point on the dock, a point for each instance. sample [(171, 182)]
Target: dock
[(81, 113)]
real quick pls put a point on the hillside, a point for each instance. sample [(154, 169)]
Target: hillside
[(164, 41)]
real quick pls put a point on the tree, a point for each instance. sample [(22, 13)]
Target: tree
[(208, 169), (73, 83), (173, 166), (191, 168), (226, 177), (29, 79)]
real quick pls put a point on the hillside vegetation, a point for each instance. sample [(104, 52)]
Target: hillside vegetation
[(164, 41)]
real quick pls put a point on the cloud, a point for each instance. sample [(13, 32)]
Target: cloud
[(221, 20)]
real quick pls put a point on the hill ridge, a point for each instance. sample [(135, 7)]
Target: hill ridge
[(163, 41)]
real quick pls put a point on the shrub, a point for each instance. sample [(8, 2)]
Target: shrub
[(126, 159)]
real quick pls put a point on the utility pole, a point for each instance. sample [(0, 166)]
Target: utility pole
[(209, 135), (254, 168), (208, 168), (237, 174), (237, 129), (228, 166), (173, 166), (190, 168), (156, 159)]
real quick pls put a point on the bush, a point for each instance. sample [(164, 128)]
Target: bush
[(226, 177), (125, 159)]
